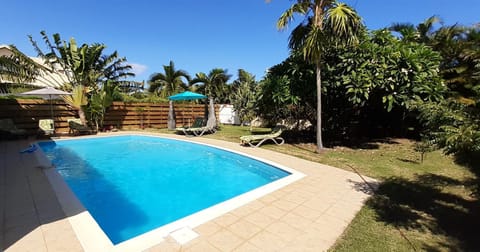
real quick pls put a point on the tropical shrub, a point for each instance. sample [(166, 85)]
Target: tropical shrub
[(379, 79), (367, 89), (452, 125), (141, 97), (288, 91), (100, 102), (384, 70), (244, 96)]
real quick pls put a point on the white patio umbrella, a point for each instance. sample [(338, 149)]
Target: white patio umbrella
[(47, 93)]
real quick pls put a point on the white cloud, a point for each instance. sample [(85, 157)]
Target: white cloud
[(138, 69)]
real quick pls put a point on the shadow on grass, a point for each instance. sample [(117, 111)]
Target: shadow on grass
[(423, 204), (408, 161), (297, 137), (305, 137), (472, 162), (364, 143)]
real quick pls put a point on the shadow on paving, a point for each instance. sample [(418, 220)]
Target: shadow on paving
[(367, 188), (28, 201), (116, 214), (421, 204)]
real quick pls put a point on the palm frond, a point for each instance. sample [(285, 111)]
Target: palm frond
[(298, 35), (312, 46), (344, 23), (170, 81), (301, 7), (425, 28)]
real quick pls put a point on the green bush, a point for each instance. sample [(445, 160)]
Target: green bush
[(452, 125), (142, 97)]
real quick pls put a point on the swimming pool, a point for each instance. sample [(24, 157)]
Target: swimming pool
[(132, 184)]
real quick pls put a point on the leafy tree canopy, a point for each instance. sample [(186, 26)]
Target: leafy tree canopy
[(370, 83)]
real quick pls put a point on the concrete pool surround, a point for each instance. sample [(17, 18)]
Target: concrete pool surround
[(304, 212)]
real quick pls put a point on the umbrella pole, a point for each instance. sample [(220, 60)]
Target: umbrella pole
[(51, 107)]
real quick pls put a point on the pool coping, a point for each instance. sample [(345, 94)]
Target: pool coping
[(307, 215), (92, 237)]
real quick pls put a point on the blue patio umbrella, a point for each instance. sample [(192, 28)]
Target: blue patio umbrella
[(185, 96)]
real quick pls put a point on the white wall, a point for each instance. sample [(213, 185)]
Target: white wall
[(227, 115)]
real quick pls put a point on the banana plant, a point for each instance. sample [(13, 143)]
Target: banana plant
[(100, 102), (86, 68), (78, 100)]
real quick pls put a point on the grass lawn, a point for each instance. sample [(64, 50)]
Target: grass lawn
[(429, 206)]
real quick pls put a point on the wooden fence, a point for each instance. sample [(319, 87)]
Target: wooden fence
[(26, 113)]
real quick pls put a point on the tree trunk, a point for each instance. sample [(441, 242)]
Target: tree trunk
[(319, 108), (171, 116), (318, 22), (81, 114)]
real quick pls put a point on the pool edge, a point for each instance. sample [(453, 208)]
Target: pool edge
[(93, 238)]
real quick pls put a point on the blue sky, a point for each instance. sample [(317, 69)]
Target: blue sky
[(197, 35)]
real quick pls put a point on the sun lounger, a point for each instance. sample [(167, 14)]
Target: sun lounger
[(260, 139), (209, 128), (77, 128), (46, 127), (8, 129), (198, 123), (200, 131)]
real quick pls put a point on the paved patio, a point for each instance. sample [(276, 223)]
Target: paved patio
[(307, 215)]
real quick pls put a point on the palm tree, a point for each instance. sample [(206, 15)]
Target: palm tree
[(326, 22), (170, 82), (421, 33), (214, 84), (460, 49)]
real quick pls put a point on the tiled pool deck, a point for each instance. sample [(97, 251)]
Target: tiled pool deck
[(307, 215)]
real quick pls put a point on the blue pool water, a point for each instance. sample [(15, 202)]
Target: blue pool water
[(133, 184)]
